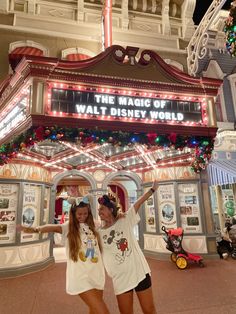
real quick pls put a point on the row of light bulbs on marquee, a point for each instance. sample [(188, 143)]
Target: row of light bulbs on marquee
[(124, 92)]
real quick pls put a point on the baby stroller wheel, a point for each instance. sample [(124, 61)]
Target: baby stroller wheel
[(173, 257), (201, 264), (181, 262), (233, 255)]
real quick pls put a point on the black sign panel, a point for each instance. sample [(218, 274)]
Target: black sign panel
[(123, 106)]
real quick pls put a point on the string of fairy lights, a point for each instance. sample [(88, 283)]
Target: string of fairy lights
[(79, 140)]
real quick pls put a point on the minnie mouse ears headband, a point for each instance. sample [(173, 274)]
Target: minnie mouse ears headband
[(84, 200), (104, 200)]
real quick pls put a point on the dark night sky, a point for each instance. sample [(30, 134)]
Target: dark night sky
[(202, 6)]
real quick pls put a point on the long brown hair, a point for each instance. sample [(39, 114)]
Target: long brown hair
[(74, 233)]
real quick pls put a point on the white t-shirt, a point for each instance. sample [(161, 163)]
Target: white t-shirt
[(122, 256), (88, 273)]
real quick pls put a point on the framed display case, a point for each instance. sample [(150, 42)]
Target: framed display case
[(8, 212), (150, 214), (166, 206), (31, 210), (189, 208)]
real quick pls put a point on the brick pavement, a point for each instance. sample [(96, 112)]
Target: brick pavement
[(209, 290)]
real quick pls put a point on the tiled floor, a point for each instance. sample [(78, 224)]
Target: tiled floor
[(209, 290)]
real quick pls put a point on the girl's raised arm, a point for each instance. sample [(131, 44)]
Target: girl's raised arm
[(145, 196)]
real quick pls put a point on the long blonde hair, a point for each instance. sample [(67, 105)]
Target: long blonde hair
[(74, 232)]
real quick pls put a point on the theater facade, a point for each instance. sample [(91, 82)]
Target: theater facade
[(120, 119)]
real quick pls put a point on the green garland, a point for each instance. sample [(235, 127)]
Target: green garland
[(230, 30), (203, 146)]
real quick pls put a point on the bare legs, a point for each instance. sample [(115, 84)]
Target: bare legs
[(146, 301), (94, 300), (125, 302)]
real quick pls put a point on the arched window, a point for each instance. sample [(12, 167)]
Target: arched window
[(18, 49)]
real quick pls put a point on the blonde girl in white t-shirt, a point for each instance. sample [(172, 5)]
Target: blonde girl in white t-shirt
[(85, 274), (122, 255)]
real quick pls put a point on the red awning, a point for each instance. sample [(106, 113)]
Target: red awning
[(77, 57), (17, 54), (29, 51)]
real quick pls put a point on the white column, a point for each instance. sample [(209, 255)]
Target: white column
[(187, 11), (4, 6), (80, 10), (31, 7), (125, 14), (165, 17)]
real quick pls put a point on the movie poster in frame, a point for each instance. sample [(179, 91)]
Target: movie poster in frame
[(150, 214), (8, 212), (31, 210), (166, 206), (189, 208)]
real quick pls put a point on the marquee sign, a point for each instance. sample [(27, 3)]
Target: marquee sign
[(16, 115), (123, 106)]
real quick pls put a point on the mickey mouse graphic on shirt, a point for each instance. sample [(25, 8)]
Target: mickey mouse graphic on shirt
[(90, 241), (121, 244)]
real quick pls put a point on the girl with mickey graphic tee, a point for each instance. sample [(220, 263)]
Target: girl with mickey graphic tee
[(122, 255), (85, 274)]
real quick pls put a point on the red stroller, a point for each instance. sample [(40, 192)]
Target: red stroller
[(173, 239)]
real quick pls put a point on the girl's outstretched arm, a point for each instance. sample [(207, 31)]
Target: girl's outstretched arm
[(145, 196), (42, 229)]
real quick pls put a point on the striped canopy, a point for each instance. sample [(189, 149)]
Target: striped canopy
[(222, 172)]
